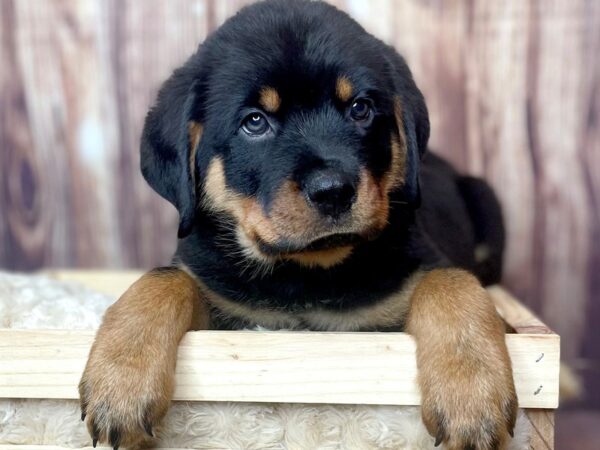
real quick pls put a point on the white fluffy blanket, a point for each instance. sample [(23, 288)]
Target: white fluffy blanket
[(39, 302)]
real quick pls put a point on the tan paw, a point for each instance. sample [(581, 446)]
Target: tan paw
[(474, 407), (465, 374), (128, 381), (124, 398)]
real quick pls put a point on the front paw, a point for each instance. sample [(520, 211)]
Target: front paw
[(124, 394), (468, 405)]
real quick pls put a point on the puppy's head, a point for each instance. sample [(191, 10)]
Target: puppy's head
[(295, 127)]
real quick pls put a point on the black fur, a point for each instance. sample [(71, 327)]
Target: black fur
[(437, 217)]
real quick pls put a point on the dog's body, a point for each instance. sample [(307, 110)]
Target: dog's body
[(292, 145)]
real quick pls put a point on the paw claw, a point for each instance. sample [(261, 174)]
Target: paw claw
[(114, 438), (438, 440), (148, 428), (95, 434), (119, 410)]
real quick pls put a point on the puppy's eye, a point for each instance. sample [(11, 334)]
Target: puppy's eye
[(255, 124), (360, 111)]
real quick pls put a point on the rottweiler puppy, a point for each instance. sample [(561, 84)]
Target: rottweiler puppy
[(293, 143)]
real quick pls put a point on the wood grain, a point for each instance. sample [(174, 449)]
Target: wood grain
[(249, 366), (110, 282), (521, 319), (513, 89), (542, 429)]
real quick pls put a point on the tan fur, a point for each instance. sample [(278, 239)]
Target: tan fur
[(343, 89), (395, 175), (195, 134), (128, 379), (218, 197), (269, 99), (322, 258), (389, 312), (465, 375), (372, 206), (291, 218)]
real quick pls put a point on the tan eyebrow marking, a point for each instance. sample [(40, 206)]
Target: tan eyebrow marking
[(343, 88), (269, 99)]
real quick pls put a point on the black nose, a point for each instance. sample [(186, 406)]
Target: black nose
[(330, 191)]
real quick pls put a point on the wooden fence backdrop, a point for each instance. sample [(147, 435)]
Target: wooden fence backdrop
[(513, 88)]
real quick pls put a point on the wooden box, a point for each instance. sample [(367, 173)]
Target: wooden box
[(280, 366)]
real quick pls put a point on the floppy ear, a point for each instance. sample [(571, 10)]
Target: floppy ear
[(412, 120), (169, 141)]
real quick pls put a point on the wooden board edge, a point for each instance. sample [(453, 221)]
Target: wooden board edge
[(108, 282), (542, 428), (71, 347), (516, 314)]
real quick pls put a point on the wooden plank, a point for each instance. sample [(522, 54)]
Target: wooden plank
[(562, 229), (110, 282), (24, 221), (515, 314), (116, 282), (589, 358), (61, 66), (148, 41), (250, 366), (542, 429)]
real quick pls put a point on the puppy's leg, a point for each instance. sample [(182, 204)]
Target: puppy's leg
[(128, 381), (465, 374)]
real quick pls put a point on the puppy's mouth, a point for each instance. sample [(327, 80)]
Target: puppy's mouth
[(331, 241), (294, 230)]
